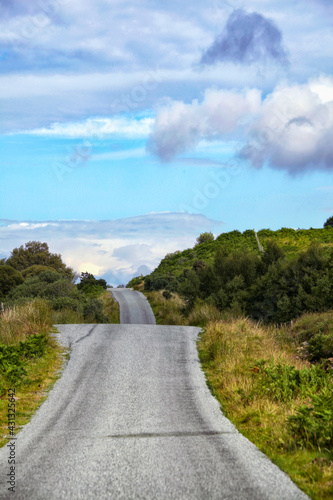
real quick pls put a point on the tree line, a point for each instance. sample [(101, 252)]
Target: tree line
[(268, 286), (32, 271)]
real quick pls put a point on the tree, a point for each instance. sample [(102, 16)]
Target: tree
[(90, 285), (204, 237), (9, 279), (35, 253), (329, 222)]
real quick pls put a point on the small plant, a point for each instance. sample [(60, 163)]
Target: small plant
[(14, 358), (312, 425), (283, 382)]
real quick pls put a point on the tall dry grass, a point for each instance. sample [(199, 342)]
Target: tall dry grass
[(21, 321), (233, 354), (167, 311)]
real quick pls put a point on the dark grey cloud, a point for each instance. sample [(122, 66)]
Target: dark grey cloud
[(247, 38)]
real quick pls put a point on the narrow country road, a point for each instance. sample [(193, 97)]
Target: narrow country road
[(132, 418), (134, 307)]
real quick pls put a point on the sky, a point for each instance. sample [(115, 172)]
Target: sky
[(128, 128)]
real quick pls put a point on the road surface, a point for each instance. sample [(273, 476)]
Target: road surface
[(132, 418), (134, 307)]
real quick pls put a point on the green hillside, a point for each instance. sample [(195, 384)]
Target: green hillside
[(291, 273), (290, 240)]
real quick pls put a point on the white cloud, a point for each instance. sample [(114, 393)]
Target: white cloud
[(98, 127), (294, 128), (66, 60), (115, 249), (290, 129), (180, 127)]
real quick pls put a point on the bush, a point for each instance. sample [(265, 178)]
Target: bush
[(167, 295), (329, 222), (9, 279), (159, 282), (88, 283), (204, 238), (36, 270), (37, 253), (282, 382), (93, 312), (14, 357), (312, 425), (66, 303), (60, 288), (320, 346)]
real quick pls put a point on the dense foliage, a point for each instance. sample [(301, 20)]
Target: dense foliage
[(90, 285), (14, 358), (35, 253), (9, 279), (32, 272), (329, 222), (293, 275)]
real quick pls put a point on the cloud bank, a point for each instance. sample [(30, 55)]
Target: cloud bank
[(291, 128), (247, 38), (116, 250), (294, 129), (180, 127), (98, 127)]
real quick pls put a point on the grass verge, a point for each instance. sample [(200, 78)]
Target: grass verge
[(265, 389), (31, 391), (110, 307)]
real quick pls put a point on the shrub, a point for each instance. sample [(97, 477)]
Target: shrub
[(282, 382), (320, 346), (66, 303), (36, 270), (13, 358), (204, 238), (93, 312), (88, 282), (37, 253), (329, 222), (312, 425), (167, 295), (59, 288), (9, 279)]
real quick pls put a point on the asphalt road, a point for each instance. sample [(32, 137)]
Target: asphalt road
[(132, 418), (134, 307)]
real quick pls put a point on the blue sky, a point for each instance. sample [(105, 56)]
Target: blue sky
[(168, 120)]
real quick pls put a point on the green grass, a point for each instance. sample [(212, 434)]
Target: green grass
[(31, 391)]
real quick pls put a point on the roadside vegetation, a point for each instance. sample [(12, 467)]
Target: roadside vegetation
[(37, 291), (266, 345)]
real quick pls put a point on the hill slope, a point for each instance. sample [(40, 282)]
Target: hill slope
[(290, 240)]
